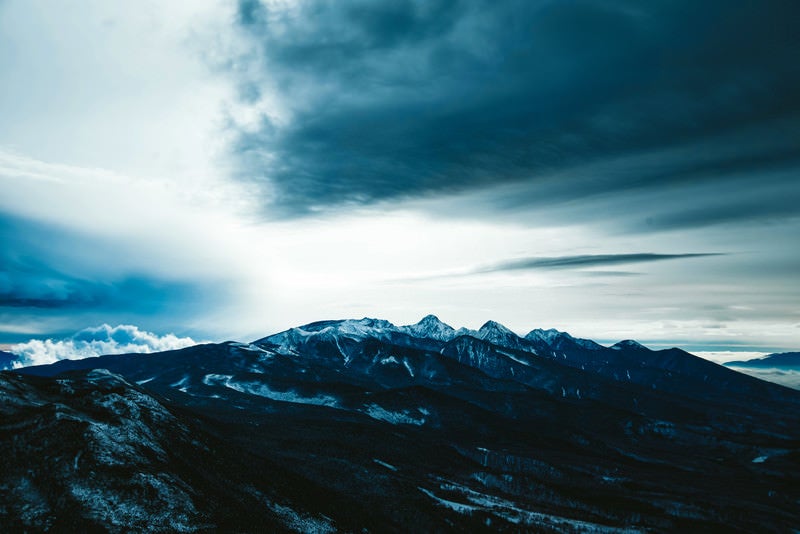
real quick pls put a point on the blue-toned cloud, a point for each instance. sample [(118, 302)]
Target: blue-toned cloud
[(56, 278), (104, 339), (396, 100), (44, 266)]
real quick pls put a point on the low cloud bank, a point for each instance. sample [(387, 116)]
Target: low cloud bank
[(785, 377), (95, 341)]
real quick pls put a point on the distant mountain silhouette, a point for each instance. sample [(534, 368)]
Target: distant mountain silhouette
[(783, 360)]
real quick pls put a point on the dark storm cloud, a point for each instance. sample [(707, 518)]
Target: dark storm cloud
[(403, 99), (36, 275)]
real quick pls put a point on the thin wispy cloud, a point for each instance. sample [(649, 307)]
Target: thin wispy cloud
[(584, 261), (579, 262)]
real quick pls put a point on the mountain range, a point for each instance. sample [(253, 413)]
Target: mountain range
[(361, 425), (782, 360)]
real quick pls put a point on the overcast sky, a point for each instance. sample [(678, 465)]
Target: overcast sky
[(221, 170)]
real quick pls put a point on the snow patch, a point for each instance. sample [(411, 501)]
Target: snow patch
[(404, 417), (511, 512), (408, 367), (384, 464), (182, 384), (263, 390), (514, 358), (215, 379), (455, 506)]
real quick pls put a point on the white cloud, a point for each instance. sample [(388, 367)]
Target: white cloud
[(96, 341), (722, 356), (785, 377)]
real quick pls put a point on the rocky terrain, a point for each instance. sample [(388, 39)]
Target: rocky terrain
[(363, 425)]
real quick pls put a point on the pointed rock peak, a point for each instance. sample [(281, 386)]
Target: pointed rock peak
[(499, 334), (432, 327), (493, 326), (432, 320), (629, 344)]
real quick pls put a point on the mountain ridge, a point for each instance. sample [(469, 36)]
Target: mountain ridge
[(385, 428)]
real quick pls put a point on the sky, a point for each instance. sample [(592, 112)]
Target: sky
[(211, 170)]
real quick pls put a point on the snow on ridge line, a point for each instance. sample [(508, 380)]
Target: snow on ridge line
[(429, 327)]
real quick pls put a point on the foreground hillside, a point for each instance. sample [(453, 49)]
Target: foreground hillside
[(351, 425)]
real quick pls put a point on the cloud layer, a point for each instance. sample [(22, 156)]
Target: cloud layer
[(48, 271), (385, 101), (785, 377), (579, 262), (104, 339)]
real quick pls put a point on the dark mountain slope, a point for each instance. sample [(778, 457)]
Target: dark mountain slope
[(361, 424), (92, 452)]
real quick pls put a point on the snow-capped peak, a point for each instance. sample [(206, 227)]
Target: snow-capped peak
[(431, 327), (366, 327), (494, 327), (556, 339), (497, 333), (355, 328), (548, 336)]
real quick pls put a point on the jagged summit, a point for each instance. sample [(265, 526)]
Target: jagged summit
[(497, 333), (367, 325), (500, 335), (494, 326), (430, 319), (548, 336), (432, 327), (558, 340)]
